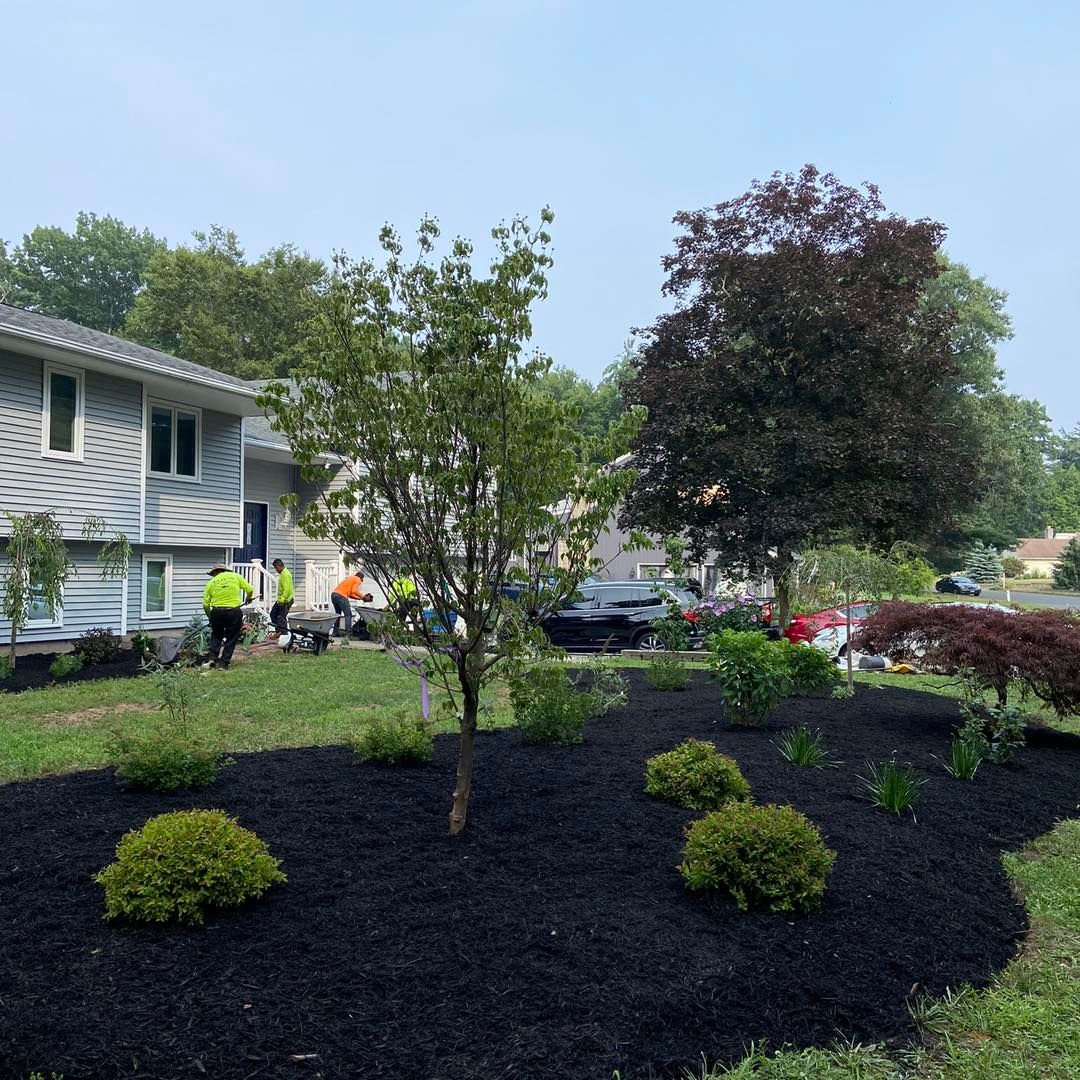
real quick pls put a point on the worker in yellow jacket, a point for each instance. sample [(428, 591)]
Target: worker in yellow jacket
[(279, 613), (223, 600)]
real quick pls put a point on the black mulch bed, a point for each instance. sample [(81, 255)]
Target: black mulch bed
[(32, 671), (554, 940)]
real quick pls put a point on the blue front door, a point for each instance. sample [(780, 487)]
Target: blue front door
[(255, 523)]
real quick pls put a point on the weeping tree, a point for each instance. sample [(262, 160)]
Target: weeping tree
[(37, 567), (842, 575), (458, 472)]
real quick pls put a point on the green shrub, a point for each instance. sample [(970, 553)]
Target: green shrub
[(998, 730), (395, 740), (66, 664), (695, 775), (801, 746), (608, 686), (163, 759), (667, 673), (752, 673), (965, 757), (144, 645), (548, 707), (892, 786), (7, 668), (98, 645), (768, 857), (811, 670), (179, 865)]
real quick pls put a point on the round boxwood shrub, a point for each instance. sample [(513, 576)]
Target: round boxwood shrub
[(769, 857), (695, 775), (180, 864)]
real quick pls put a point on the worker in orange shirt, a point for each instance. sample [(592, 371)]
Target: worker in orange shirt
[(344, 593)]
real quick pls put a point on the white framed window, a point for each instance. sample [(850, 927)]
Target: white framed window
[(174, 440), (156, 586), (38, 617), (62, 405)]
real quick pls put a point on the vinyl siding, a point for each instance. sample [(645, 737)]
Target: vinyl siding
[(106, 483), (189, 578), (207, 513)]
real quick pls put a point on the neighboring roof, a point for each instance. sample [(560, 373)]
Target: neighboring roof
[(257, 429), (1041, 548), (47, 329)]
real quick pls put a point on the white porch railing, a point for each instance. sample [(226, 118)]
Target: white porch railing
[(319, 582), (260, 579)]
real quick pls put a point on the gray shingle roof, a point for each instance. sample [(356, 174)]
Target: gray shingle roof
[(257, 429), (81, 337)]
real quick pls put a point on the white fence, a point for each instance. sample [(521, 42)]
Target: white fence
[(260, 579), (319, 582)]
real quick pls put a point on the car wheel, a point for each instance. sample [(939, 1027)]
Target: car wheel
[(647, 641)]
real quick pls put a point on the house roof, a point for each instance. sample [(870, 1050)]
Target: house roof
[(45, 329), (1040, 548), (258, 429)]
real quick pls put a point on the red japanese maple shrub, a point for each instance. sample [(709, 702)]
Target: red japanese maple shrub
[(1038, 649)]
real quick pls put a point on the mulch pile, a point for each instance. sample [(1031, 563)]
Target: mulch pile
[(553, 941), (32, 671)]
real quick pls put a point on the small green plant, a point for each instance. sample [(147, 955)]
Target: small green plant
[(811, 670), (801, 746), (998, 730), (892, 786), (161, 759), (98, 645), (256, 628), (395, 740), (548, 707), (752, 674), (66, 664), (842, 693), (769, 857), (179, 865), (965, 756), (144, 645), (7, 668), (196, 637), (667, 673), (695, 775), (609, 687)]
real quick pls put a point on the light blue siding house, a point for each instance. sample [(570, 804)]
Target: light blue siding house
[(176, 456)]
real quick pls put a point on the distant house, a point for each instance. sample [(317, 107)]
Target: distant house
[(1040, 554), (178, 457)]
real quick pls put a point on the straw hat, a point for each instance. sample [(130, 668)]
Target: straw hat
[(218, 568)]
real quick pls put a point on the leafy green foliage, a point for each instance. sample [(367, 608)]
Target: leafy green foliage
[(997, 730), (163, 759), (892, 786), (90, 276), (769, 857), (983, 564), (400, 739), (609, 687), (180, 865), (66, 664), (1063, 497), (802, 746), (811, 670), (548, 707), (115, 554), (752, 673), (965, 756), (912, 574), (695, 775), (7, 668), (1067, 568), (1012, 567), (98, 645), (144, 645), (667, 673), (196, 637)]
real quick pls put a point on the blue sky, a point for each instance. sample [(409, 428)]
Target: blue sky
[(316, 123)]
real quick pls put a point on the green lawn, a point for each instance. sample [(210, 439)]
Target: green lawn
[(1025, 1027)]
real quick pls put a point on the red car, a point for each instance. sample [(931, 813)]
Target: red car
[(807, 627)]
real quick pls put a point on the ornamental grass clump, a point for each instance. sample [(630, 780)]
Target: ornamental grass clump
[(180, 865), (801, 746), (548, 707), (964, 759), (892, 786), (752, 673), (695, 775), (402, 739), (769, 857)]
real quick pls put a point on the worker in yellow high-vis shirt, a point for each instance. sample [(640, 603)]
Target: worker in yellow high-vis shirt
[(279, 613), (223, 600)]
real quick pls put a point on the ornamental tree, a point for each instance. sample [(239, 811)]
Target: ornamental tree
[(801, 389), (455, 461), (983, 564), (1067, 568)]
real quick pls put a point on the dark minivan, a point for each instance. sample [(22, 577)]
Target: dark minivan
[(615, 615)]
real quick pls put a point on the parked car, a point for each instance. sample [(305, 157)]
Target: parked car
[(616, 615), (962, 585), (807, 626)]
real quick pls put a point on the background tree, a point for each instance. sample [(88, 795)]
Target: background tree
[(37, 567), (983, 564), (208, 305), (7, 284), (1067, 568), (1062, 500), (90, 276), (419, 381), (801, 388)]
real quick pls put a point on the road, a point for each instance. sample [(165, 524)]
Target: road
[(1040, 599)]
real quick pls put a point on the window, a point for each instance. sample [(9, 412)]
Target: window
[(174, 441), (582, 600), (38, 616), (62, 413), (157, 586)]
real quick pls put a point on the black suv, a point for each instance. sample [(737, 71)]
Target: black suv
[(615, 615)]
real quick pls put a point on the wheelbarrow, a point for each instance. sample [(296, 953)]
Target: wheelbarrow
[(309, 631)]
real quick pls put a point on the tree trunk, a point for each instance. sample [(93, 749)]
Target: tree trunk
[(847, 651), (14, 635), (463, 788), (784, 563)]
